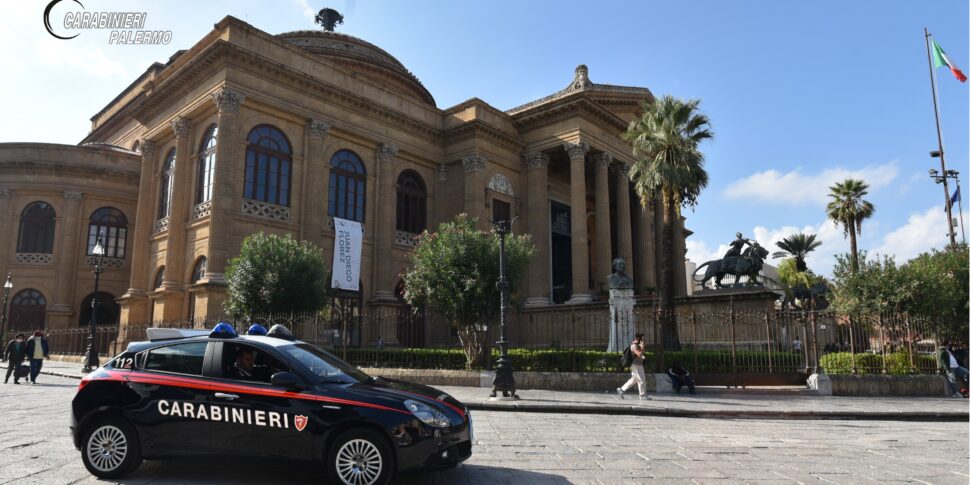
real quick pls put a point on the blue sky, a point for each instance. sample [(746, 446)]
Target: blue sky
[(800, 94)]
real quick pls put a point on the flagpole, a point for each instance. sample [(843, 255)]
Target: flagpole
[(963, 228), (939, 139)]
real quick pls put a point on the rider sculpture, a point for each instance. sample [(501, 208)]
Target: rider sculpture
[(748, 262)]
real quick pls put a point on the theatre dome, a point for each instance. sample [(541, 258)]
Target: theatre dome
[(362, 57)]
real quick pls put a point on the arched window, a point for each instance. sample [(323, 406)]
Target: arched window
[(113, 223), (268, 166), (108, 310), (207, 165), (159, 277), (165, 190), (198, 271), (412, 201), (28, 310), (348, 186), (36, 229)]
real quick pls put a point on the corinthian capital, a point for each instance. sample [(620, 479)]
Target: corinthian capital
[(576, 150), (536, 160), (474, 163), (228, 100), (621, 168), (602, 161), (147, 148), (317, 129), (386, 152), (181, 126)]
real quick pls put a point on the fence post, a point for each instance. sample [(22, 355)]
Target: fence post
[(855, 370), (734, 341), (814, 318), (909, 341), (882, 343), (693, 326), (768, 335)]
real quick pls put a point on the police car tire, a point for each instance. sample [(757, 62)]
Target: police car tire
[(108, 425), (371, 437)]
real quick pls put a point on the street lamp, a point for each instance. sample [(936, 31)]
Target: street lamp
[(941, 178), (504, 380), (3, 316), (91, 359)]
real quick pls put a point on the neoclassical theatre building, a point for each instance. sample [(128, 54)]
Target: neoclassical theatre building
[(248, 131)]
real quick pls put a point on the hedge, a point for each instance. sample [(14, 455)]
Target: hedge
[(866, 363)]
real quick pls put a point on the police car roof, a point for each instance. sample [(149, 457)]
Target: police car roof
[(262, 339)]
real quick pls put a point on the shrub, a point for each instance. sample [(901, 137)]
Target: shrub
[(897, 363)]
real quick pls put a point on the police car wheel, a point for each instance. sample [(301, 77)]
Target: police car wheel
[(110, 448), (360, 457)]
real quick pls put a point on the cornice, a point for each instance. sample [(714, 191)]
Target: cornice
[(478, 128), (552, 114)]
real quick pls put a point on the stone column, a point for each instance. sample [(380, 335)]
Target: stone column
[(624, 223), (318, 178), (383, 226), (601, 164), (645, 268), (61, 310), (7, 247), (134, 303), (175, 242), (537, 212), (577, 205), (475, 188), (220, 220)]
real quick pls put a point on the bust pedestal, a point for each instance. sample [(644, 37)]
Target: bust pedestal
[(622, 323)]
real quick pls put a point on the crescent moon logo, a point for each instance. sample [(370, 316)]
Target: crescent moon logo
[(47, 19)]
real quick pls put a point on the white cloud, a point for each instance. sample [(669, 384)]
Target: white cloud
[(698, 252), (308, 11), (922, 232), (90, 60), (798, 188)]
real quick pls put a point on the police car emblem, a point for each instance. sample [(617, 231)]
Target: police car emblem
[(299, 422)]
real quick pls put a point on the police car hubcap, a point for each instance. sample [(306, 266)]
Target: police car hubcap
[(358, 462), (107, 448)]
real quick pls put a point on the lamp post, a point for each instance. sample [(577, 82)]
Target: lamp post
[(91, 359), (3, 316), (504, 380)]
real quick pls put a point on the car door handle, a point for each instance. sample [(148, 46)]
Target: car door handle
[(230, 397)]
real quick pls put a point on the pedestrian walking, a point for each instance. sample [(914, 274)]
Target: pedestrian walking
[(680, 377), (948, 363), (14, 354), (37, 351), (635, 354)]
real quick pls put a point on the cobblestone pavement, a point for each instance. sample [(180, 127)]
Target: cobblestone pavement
[(527, 448)]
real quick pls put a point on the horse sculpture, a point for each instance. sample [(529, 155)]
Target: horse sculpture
[(749, 264)]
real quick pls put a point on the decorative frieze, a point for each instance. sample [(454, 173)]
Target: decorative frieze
[(576, 150), (536, 160), (317, 129), (404, 238), (474, 163), (501, 184), (107, 262), (386, 152), (181, 126), (228, 100), (201, 210), (72, 197), (265, 210), (161, 225), (35, 258)]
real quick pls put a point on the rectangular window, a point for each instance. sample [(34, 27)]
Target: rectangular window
[(261, 178), (360, 202), (332, 195), (501, 211), (250, 174), (180, 358), (285, 183), (273, 196)]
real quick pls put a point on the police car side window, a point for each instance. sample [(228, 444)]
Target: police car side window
[(247, 363), (180, 358)]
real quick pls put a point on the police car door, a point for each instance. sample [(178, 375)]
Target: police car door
[(261, 419), (172, 413)]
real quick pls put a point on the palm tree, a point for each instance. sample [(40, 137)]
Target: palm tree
[(797, 246), (848, 209), (669, 166)]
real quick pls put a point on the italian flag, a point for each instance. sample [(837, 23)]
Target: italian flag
[(941, 59)]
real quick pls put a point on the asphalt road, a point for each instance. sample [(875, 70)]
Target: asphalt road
[(527, 448)]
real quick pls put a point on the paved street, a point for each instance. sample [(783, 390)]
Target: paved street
[(517, 447)]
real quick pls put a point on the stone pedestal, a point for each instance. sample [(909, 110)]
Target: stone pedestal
[(622, 323)]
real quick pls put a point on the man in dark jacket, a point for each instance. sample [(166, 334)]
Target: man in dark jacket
[(37, 351), (679, 377), (14, 355)]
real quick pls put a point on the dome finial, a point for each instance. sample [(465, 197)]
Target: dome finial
[(328, 18)]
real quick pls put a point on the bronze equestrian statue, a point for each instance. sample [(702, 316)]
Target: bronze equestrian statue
[(735, 262)]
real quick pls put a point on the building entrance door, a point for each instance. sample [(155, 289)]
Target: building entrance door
[(562, 261)]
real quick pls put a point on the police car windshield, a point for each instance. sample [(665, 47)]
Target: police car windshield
[(323, 365)]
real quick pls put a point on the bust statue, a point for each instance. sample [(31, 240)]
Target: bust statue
[(619, 280)]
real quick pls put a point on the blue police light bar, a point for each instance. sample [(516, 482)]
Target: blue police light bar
[(256, 329), (279, 331), (223, 330)]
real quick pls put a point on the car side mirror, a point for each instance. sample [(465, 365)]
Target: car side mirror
[(286, 380)]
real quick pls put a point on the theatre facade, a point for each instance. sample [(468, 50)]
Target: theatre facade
[(250, 132)]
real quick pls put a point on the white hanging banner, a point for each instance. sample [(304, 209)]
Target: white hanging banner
[(348, 240)]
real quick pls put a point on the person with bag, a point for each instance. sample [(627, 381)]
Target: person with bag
[(14, 354), (633, 356), (37, 351)]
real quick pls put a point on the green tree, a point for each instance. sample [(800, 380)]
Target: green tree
[(669, 166), (848, 209), (275, 274), (797, 246), (937, 289), (453, 272)]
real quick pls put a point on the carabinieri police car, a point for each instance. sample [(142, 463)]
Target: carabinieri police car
[(263, 394)]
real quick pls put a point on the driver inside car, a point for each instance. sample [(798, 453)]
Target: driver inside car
[(245, 367)]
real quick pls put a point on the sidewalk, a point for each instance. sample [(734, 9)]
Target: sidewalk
[(734, 405)]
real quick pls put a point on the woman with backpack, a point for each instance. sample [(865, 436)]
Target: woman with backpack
[(633, 356)]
